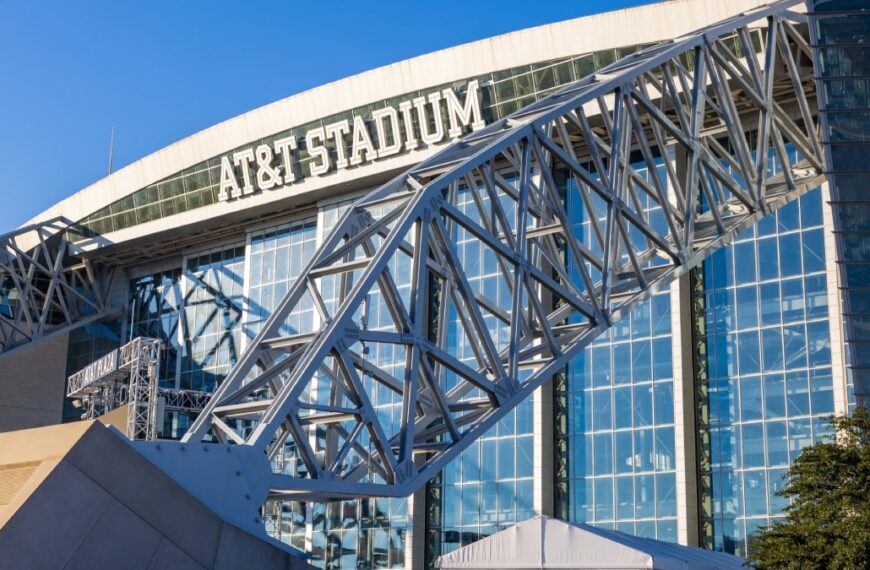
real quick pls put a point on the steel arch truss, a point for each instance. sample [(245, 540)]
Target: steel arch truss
[(712, 112), (44, 286)]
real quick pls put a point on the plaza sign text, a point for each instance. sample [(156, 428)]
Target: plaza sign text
[(269, 167)]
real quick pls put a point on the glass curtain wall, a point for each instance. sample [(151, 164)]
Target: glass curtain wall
[(489, 486), (615, 424), (155, 312), (839, 29), (768, 370), (213, 307)]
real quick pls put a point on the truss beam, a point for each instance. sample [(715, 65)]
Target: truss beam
[(660, 159)]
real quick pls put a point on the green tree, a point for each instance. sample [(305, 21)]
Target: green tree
[(827, 523)]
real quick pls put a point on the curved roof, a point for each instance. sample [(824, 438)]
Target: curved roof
[(645, 24)]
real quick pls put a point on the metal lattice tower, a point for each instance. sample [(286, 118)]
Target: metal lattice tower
[(130, 376), (712, 108)]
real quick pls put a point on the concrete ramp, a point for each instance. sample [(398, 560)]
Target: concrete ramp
[(79, 496)]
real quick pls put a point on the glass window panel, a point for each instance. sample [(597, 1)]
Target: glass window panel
[(797, 394), (642, 405), (821, 392), (665, 456), (604, 499), (771, 340), (662, 358), (744, 262), (663, 393), (748, 352), (747, 307), (750, 398), (755, 490), (624, 453), (753, 445), (644, 493), (771, 304), (622, 407), (624, 498), (603, 454), (774, 396), (602, 405), (768, 256), (666, 495), (777, 443)]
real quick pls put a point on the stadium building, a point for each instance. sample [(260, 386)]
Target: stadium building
[(678, 422)]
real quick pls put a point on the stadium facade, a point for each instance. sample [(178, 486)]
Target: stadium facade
[(679, 423)]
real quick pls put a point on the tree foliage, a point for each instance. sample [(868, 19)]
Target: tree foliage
[(827, 523)]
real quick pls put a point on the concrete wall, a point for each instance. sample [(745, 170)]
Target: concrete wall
[(32, 384), (79, 496)]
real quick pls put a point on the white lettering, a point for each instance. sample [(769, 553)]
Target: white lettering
[(410, 136), (427, 136), (228, 181), (283, 147), (362, 143), (243, 160), (317, 150), (337, 132), (463, 113), (394, 126), (268, 176), (378, 117)]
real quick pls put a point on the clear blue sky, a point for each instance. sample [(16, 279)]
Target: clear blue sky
[(164, 69)]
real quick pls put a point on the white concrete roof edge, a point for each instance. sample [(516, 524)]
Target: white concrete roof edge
[(648, 23)]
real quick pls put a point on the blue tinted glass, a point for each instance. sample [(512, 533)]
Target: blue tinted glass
[(771, 341), (744, 263), (525, 457), (622, 363), (604, 499), (644, 492), (643, 449), (662, 359), (624, 453), (797, 393), (821, 391), (788, 217), (792, 300), (750, 398), (664, 402), (753, 445), (811, 208), (790, 254), (777, 443), (755, 489), (666, 495), (795, 346), (603, 454), (643, 405), (748, 353), (622, 408), (816, 296), (665, 457), (624, 497), (602, 404), (767, 253), (774, 396), (814, 251), (818, 343), (660, 307), (770, 304), (747, 307)]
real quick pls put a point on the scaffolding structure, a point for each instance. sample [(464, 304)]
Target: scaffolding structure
[(129, 376)]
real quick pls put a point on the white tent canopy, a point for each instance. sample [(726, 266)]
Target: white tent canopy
[(544, 542)]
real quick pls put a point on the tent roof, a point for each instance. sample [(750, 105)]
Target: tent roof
[(544, 542)]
